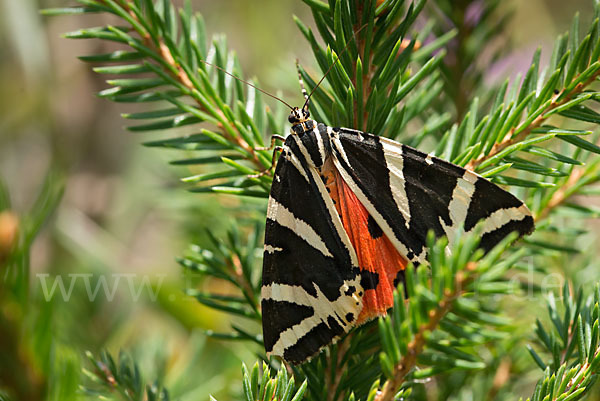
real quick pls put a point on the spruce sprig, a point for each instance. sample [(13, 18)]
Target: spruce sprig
[(171, 46), (120, 378), (572, 346)]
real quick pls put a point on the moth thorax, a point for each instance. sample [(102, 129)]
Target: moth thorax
[(312, 141)]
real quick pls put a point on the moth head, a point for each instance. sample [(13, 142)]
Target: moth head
[(298, 115)]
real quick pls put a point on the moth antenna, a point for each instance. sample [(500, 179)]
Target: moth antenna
[(334, 62), (247, 83), (304, 93)]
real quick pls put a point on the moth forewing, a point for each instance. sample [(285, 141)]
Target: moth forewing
[(311, 279)]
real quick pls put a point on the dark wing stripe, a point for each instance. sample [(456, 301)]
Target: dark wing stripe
[(282, 315), (285, 218), (314, 150), (308, 261), (486, 199), (429, 188), (313, 341), (523, 226), (361, 162), (413, 192), (300, 263), (308, 198)]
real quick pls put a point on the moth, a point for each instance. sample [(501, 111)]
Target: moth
[(347, 212)]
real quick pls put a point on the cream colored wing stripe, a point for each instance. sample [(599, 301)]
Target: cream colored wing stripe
[(280, 214), (395, 163)]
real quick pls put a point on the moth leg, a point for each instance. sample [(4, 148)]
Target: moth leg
[(270, 169), (273, 139), (304, 93)]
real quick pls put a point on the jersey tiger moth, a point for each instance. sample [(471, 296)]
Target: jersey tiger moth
[(347, 212)]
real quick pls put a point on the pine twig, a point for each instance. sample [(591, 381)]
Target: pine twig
[(245, 286), (501, 377), (572, 343), (562, 194), (576, 382), (335, 378), (416, 346), (160, 47), (511, 138)]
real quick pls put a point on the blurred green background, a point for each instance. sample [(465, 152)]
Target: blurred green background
[(124, 211)]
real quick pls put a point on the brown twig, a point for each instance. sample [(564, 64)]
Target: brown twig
[(182, 77), (9, 230), (240, 278), (500, 378), (415, 347), (334, 379), (562, 194), (463, 87), (511, 138), (575, 383), (368, 76)]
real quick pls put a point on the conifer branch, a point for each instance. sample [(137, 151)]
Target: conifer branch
[(562, 194), (335, 375), (436, 300), (157, 43), (121, 378), (573, 346), (519, 133), (416, 346)]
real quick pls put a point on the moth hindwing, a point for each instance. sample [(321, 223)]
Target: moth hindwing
[(347, 212)]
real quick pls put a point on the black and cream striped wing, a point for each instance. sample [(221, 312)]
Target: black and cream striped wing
[(409, 192), (311, 290)]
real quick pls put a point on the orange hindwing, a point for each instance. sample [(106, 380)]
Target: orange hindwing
[(376, 254)]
